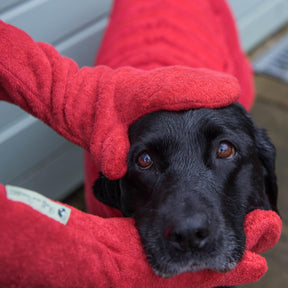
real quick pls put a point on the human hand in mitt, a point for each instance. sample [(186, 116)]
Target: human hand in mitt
[(93, 107), (46, 244)]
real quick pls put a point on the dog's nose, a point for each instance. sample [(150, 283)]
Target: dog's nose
[(191, 233)]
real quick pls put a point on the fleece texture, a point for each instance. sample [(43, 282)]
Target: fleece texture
[(155, 55), (90, 251), (149, 34), (93, 107)]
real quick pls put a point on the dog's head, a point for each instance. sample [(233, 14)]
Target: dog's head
[(192, 178)]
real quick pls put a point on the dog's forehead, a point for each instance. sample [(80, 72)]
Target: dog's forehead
[(232, 119)]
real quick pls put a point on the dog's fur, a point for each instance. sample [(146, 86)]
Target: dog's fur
[(190, 205)]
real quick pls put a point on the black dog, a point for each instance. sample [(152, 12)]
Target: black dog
[(192, 178)]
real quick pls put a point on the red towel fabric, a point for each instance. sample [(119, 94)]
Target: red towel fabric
[(89, 251), (93, 108), (149, 34), (156, 33)]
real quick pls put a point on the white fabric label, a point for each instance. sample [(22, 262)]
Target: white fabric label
[(40, 203)]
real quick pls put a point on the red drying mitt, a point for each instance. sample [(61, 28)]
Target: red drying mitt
[(68, 248), (149, 34), (154, 33), (93, 107)]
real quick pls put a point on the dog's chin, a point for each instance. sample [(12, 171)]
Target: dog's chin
[(168, 269), (168, 261)]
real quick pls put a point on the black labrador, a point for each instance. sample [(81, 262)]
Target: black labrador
[(192, 178)]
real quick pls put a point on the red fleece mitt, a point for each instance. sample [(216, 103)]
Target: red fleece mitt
[(46, 244), (93, 107), (149, 34)]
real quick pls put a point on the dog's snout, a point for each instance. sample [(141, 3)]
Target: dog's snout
[(192, 233)]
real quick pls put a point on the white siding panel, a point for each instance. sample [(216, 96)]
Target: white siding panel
[(82, 46), (244, 7), (34, 156), (24, 144), (53, 20), (8, 4), (64, 169), (257, 19), (9, 114)]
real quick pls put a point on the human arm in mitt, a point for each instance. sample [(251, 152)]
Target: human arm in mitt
[(89, 251), (94, 106)]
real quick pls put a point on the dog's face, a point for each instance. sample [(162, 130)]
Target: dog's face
[(192, 178)]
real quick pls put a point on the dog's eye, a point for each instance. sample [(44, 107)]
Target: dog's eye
[(225, 150), (144, 161)]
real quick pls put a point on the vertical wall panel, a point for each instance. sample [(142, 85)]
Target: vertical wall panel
[(257, 19), (32, 155)]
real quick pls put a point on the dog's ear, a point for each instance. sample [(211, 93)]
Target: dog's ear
[(267, 154), (107, 191)]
